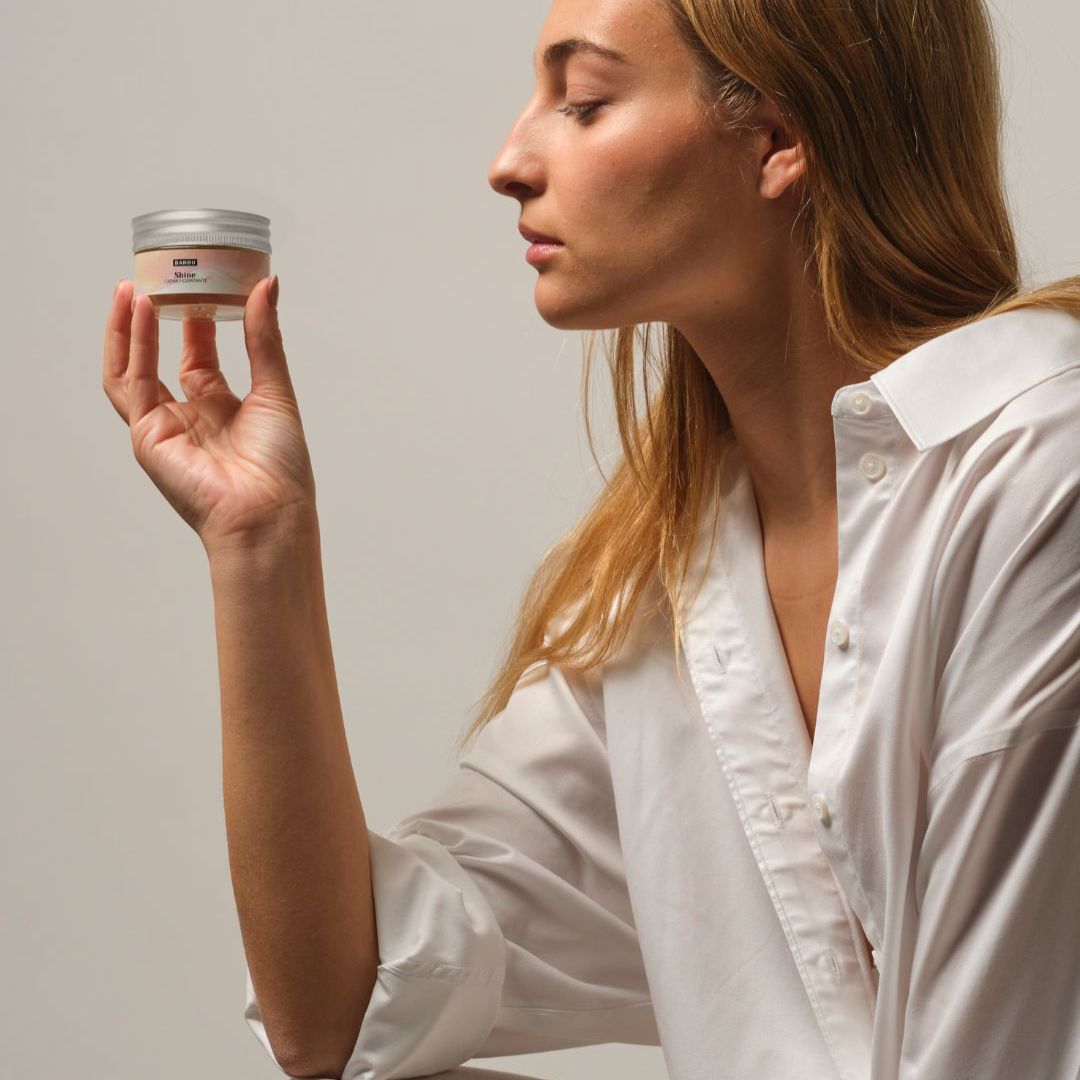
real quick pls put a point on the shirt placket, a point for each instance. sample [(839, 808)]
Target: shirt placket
[(870, 463), (756, 727)]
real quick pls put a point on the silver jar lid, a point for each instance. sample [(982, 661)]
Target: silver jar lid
[(183, 228)]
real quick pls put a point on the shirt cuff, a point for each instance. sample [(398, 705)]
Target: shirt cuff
[(442, 964)]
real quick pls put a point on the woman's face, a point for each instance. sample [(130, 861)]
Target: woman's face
[(661, 218)]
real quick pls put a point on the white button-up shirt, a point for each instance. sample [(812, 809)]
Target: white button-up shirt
[(651, 854)]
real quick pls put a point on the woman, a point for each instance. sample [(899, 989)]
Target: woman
[(782, 767)]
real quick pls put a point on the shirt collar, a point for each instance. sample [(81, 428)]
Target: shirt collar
[(946, 385)]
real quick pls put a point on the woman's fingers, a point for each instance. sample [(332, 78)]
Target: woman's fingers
[(117, 334), (117, 344), (200, 367), (118, 351), (262, 338), (145, 391)]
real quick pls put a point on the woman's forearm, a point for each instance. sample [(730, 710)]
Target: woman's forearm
[(297, 839)]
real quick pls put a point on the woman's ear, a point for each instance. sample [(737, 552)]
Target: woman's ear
[(780, 161)]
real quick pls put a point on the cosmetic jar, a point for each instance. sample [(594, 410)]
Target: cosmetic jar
[(199, 264)]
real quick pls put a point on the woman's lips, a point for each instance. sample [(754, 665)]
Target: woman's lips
[(541, 247), (540, 252), (537, 237)]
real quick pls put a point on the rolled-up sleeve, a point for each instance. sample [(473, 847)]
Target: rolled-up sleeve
[(995, 974), (503, 919)]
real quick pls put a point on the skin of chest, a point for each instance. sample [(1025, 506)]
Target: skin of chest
[(801, 565), (803, 626)]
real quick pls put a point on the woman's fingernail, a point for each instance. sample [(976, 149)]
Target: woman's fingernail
[(116, 287), (272, 292), (134, 298)]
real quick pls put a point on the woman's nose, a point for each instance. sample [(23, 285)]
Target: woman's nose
[(516, 169), (504, 175), (505, 182)]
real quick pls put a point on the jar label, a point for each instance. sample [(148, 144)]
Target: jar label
[(234, 271)]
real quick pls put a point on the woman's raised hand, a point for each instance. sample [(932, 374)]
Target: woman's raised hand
[(238, 472)]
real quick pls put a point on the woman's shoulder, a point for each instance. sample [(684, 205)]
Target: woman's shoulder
[(1033, 439), (1010, 505)]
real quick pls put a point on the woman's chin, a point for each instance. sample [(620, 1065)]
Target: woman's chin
[(564, 312)]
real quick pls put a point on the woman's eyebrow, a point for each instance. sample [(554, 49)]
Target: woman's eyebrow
[(559, 51)]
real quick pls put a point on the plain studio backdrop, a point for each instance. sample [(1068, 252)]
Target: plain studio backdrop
[(444, 420)]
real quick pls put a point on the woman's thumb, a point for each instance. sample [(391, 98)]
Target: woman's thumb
[(262, 337)]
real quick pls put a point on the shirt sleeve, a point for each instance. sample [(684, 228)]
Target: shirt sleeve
[(502, 913), (995, 978)]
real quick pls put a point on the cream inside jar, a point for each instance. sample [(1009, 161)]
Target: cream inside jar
[(200, 264)]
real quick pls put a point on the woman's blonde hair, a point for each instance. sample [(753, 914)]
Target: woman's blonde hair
[(898, 107)]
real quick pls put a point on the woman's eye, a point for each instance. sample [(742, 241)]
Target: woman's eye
[(580, 112)]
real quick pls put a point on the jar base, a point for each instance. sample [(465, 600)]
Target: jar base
[(210, 307)]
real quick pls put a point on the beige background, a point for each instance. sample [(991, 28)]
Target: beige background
[(444, 421)]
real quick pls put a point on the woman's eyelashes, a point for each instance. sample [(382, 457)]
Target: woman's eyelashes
[(580, 113)]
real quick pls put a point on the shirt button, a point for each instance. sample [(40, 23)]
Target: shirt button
[(861, 402), (872, 466), (821, 807), (827, 962), (838, 634)]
